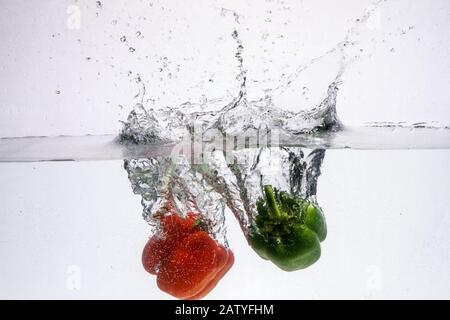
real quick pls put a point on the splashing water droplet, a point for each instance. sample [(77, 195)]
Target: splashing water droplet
[(237, 115)]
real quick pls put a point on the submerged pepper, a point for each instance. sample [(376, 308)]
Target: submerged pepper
[(187, 261), (287, 230)]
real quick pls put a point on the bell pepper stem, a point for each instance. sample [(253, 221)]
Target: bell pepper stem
[(271, 202)]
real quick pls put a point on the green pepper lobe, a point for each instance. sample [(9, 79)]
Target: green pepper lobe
[(287, 230)]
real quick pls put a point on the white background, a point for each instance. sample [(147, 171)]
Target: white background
[(74, 230), (403, 73), (387, 216)]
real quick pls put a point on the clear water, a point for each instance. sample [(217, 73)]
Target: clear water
[(74, 230), (71, 227)]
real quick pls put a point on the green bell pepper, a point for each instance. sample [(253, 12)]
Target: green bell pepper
[(287, 230)]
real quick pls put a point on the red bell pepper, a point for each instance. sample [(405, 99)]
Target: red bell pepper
[(187, 261)]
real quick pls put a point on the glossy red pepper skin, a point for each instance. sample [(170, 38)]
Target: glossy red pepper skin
[(151, 255), (174, 230), (188, 262), (220, 274), (193, 266)]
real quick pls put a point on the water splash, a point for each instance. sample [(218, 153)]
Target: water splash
[(241, 178), (237, 115), (233, 179), (149, 125), (161, 180)]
